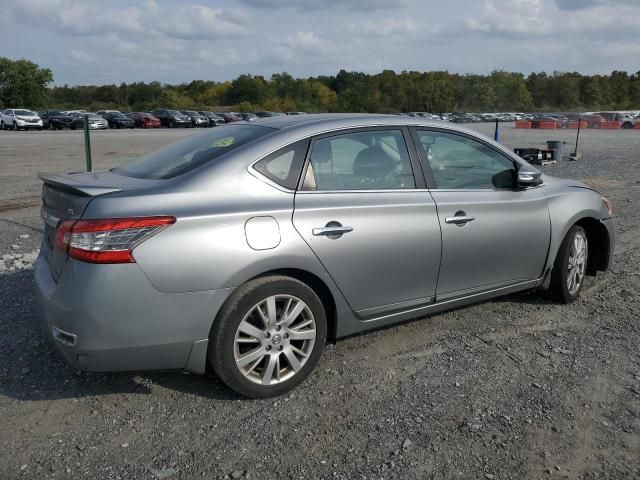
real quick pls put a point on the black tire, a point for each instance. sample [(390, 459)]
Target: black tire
[(560, 274), (627, 125), (595, 125), (171, 125), (15, 126), (239, 304), (2, 126)]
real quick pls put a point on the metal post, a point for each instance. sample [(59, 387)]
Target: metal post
[(496, 134), (575, 152), (87, 142)]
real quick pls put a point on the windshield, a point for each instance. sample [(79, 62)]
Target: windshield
[(192, 113), (192, 152), (175, 113), (23, 112), (117, 115), (92, 115)]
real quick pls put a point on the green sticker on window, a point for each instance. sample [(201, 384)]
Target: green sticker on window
[(223, 142)]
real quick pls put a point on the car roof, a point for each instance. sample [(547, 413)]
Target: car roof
[(318, 122)]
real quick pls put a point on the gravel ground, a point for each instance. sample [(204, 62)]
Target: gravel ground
[(518, 387)]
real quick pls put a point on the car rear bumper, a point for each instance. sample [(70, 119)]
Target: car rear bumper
[(110, 318)]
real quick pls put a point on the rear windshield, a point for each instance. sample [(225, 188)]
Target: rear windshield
[(185, 155)]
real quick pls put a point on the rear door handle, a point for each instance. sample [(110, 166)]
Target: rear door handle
[(460, 219), (331, 230)]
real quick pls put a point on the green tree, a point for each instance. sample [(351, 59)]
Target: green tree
[(23, 83)]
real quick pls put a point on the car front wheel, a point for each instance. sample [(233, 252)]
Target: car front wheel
[(569, 269), (268, 336)]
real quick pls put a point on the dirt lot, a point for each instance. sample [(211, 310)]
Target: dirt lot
[(514, 388)]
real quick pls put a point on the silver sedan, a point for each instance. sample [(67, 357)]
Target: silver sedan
[(248, 247)]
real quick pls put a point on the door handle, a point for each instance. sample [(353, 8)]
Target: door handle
[(460, 219), (331, 230)]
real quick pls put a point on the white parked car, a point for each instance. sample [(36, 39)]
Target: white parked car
[(17, 119)]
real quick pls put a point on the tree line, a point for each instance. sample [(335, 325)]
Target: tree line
[(25, 84)]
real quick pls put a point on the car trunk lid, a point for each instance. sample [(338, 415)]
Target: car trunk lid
[(66, 197)]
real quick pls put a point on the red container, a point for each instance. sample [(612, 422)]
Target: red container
[(523, 124), (611, 125), (548, 125), (574, 124), (637, 126)]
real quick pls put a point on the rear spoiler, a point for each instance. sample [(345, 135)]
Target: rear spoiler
[(70, 184)]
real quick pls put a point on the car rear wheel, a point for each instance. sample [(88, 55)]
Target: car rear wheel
[(268, 337), (569, 269)]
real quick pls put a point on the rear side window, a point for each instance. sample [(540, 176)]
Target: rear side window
[(284, 166), (192, 152)]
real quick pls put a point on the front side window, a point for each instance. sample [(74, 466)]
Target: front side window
[(366, 160), (459, 162)]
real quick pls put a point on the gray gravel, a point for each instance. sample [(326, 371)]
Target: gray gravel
[(514, 388)]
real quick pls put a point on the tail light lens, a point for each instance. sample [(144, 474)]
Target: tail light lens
[(108, 240)]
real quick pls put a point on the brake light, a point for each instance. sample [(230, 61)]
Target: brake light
[(108, 240)]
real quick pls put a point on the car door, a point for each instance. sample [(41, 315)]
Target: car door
[(493, 233), (370, 220)]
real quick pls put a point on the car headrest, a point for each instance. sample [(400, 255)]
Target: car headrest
[(373, 162), (321, 152)]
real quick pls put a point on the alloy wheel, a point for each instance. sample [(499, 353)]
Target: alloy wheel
[(275, 339), (577, 263)]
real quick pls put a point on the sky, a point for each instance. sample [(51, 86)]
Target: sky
[(94, 42)]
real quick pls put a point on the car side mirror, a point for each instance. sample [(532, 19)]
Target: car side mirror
[(529, 176)]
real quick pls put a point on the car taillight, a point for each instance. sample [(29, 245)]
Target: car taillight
[(108, 240)]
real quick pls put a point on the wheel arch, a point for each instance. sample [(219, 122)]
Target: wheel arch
[(598, 237)]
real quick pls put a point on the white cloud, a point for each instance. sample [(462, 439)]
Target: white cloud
[(89, 18), (512, 17), (305, 41), (384, 27)]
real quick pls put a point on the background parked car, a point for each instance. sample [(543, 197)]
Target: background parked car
[(55, 119), (626, 120), (214, 120), (171, 118), (593, 121), (561, 120), (96, 122), (116, 119), (248, 116), (264, 114), (18, 119), (230, 117), (144, 120), (197, 119)]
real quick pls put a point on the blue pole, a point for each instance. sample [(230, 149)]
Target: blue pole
[(496, 134)]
